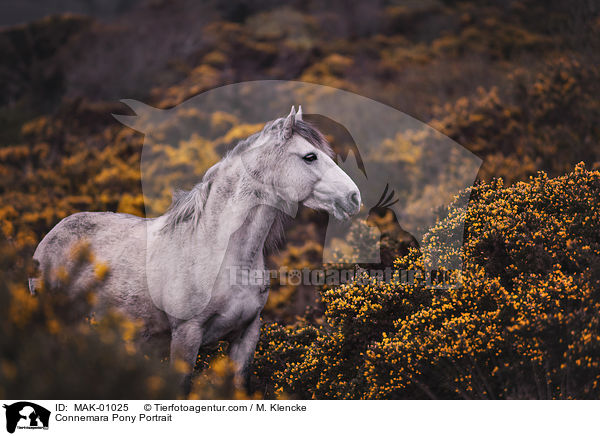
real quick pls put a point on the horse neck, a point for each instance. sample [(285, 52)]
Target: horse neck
[(247, 243), (238, 225)]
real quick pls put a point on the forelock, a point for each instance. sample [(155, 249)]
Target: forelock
[(313, 136), (302, 128)]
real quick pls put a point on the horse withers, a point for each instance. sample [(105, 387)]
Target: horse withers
[(178, 273)]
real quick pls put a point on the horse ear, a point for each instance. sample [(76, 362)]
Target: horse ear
[(142, 111), (299, 114), (288, 125)]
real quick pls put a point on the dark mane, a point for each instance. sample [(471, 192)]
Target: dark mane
[(313, 136)]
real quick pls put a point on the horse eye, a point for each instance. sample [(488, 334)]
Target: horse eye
[(310, 157)]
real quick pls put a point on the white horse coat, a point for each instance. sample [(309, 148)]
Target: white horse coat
[(179, 273)]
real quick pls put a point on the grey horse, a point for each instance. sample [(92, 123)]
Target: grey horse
[(182, 273)]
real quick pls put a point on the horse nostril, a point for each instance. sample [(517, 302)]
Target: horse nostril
[(355, 199)]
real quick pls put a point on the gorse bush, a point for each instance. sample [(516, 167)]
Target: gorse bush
[(53, 347), (525, 323), (547, 122)]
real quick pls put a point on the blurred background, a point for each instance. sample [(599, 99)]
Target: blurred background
[(516, 82)]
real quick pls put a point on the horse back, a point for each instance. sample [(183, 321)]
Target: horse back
[(108, 236)]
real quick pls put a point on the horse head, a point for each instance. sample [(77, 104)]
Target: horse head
[(293, 161)]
